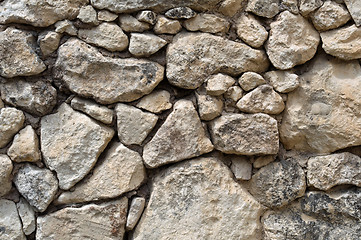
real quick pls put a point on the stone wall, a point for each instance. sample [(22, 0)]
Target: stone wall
[(180, 119)]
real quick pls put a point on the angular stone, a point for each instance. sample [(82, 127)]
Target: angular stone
[(120, 171), (180, 137), (190, 60), (262, 161), (106, 16), (354, 7), (10, 223), (218, 84), (83, 69), (87, 14), (245, 134), (292, 41), (71, 143), (205, 22), (66, 26), (18, 57), (168, 26), (231, 7), (94, 110), (130, 24), (135, 212), (49, 42), (133, 124), (308, 6), (241, 168), (27, 216), (290, 5), (147, 16), (264, 8), (107, 35), (156, 102), (283, 81), (234, 93), (209, 107), (180, 13), (198, 199), (11, 121), (6, 167), (250, 80), (144, 45), (92, 221), (251, 31)]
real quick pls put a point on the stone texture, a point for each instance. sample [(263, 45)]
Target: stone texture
[(308, 6), (264, 8), (11, 121), (245, 134), (94, 110), (147, 16), (218, 84), (292, 41), (250, 80), (354, 7), (130, 24), (241, 168), (231, 7), (108, 80), (167, 26), (190, 59), (10, 223), (209, 107), (71, 143), (87, 14), (144, 45), (135, 212), (6, 167), (180, 137), (121, 170), (156, 102), (251, 31), (290, 5), (180, 13), (234, 93), (262, 161), (133, 124), (283, 81), (106, 16), (92, 221), (27, 216), (198, 199), (66, 26), (206, 22), (49, 42)]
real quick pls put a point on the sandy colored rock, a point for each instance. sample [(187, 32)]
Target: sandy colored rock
[(218, 84), (234, 93), (209, 107), (156, 102), (6, 167), (167, 26), (180, 13), (11, 121), (87, 14), (206, 22), (290, 5), (130, 24), (10, 223), (241, 168), (264, 8), (94, 110), (251, 31), (147, 16), (250, 80), (262, 161), (354, 7), (231, 7), (135, 212), (144, 45), (66, 26), (282, 81), (308, 6), (49, 42), (27, 216), (106, 16)]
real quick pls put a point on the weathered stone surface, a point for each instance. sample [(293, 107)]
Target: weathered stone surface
[(87, 14), (180, 137), (241, 168), (206, 22), (86, 69), (10, 223), (106, 16), (133, 124), (130, 24), (11, 121), (209, 107), (234, 93), (190, 59), (292, 41), (250, 80), (6, 167), (262, 161), (290, 5), (283, 81), (120, 171), (18, 57), (264, 8), (218, 84), (135, 212), (251, 31), (66, 26), (41, 13), (96, 111), (328, 117), (107, 35), (144, 45), (49, 42), (103, 221), (71, 143), (27, 216), (354, 7), (180, 13), (308, 6), (147, 16), (246, 134), (168, 26), (231, 7), (156, 102)]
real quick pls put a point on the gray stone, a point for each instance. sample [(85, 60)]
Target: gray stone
[(135, 212), (308, 6), (282, 81), (130, 24), (180, 13), (147, 16), (290, 5), (218, 84), (264, 8), (262, 161), (241, 168), (49, 42), (106, 16), (206, 22), (209, 107), (156, 102), (250, 80), (94, 110), (251, 31), (234, 93), (167, 26), (144, 45), (354, 7), (27, 216), (87, 14), (6, 167), (66, 26), (11, 121), (10, 223)]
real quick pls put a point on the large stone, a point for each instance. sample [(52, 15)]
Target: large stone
[(245, 134), (135, 212), (144, 45), (71, 143), (11, 121), (354, 7), (198, 199), (264, 8), (120, 171), (192, 57), (206, 22), (27, 216), (18, 56), (292, 41), (282, 81), (251, 31), (6, 167), (92, 221), (156, 102), (328, 117), (10, 224), (108, 80), (180, 137)]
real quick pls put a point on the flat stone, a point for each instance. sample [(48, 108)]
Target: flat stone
[(190, 60), (219, 84), (354, 7), (94, 110), (84, 70), (121, 170), (27, 216), (11, 121), (135, 212), (262, 161), (167, 26), (156, 102), (10, 223), (180, 13), (144, 45), (206, 22), (282, 81), (130, 24), (251, 80), (241, 168), (234, 93), (107, 16), (66, 26), (49, 42), (209, 107), (87, 14), (308, 6), (71, 143), (180, 137), (92, 221), (264, 8), (133, 124), (231, 7), (6, 167), (251, 31), (147, 16)]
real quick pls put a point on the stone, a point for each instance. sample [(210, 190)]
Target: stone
[(71, 143), (190, 60), (37, 185), (234, 93), (94, 110), (290, 5), (6, 167), (10, 223), (278, 183), (156, 102), (344, 43), (147, 16), (130, 24), (92, 221), (66, 26), (11, 121), (283, 81), (292, 41), (264, 8), (180, 13), (308, 6), (145, 44), (231, 7), (251, 80), (41, 13), (251, 31), (121, 170), (107, 16), (35, 97), (218, 84), (25, 146), (133, 124), (354, 7), (18, 56), (327, 118), (198, 199), (262, 99), (135, 212), (1, 103), (27, 216), (87, 14), (245, 134), (206, 22), (180, 137), (167, 26), (84, 70), (209, 107), (325, 172), (107, 35), (241, 168), (262, 161), (49, 42)]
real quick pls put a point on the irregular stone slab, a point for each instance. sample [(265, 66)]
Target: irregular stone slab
[(11, 121), (180, 137), (71, 143), (18, 54), (6, 167), (180, 13), (84, 70), (87, 14), (325, 172), (264, 8), (27, 216), (49, 42), (308, 6), (250, 30), (251, 80), (218, 84), (121, 171), (354, 7), (292, 41), (209, 107), (245, 134), (147, 16), (135, 212), (241, 168), (66, 26), (133, 124), (130, 24), (103, 221), (94, 110), (205, 22), (327, 118), (283, 81), (106, 16), (144, 45), (156, 102), (188, 69), (168, 26), (10, 223)]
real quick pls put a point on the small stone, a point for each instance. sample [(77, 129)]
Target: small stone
[(156, 102), (11, 121), (354, 7), (205, 22), (308, 6), (49, 42), (262, 161), (147, 16), (180, 13), (10, 223), (251, 31), (264, 8), (290, 5), (107, 35), (87, 14), (1, 103), (251, 80), (6, 167), (241, 168), (219, 84), (130, 24), (231, 7), (234, 93), (144, 45), (94, 110), (135, 212), (209, 107), (27, 216), (66, 26), (167, 26), (283, 81), (106, 16)]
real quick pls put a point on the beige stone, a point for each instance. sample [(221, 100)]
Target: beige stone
[(156, 102), (218, 84), (11, 121), (231, 7), (87, 14), (107, 16), (130, 24), (283, 81), (27, 216), (49, 42), (167, 26), (354, 7), (241, 167), (264, 8), (206, 22), (262, 161), (234, 93), (290, 5), (94, 110), (145, 44), (6, 168), (250, 80), (209, 107), (66, 26), (251, 31), (10, 222), (135, 212), (308, 6)]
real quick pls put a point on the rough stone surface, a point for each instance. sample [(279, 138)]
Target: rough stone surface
[(147, 16), (49, 42), (283, 81), (241, 168), (354, 7), (94, 110), (135, 212), (11, 121), (106, 16), (250, 80), (66, 26), (6, 168), (27, 216), (262, 161), (180, 13), (71, 143), (144, 45), (156, 102), (130, 24), (234, 93), (85, 70), (251, 31), (209, 107), (180, 137), (206, 22), (308, 6), (167, 26), (264, 8), (218, 84), (290, 5), (231, 7), (87, 14), (198, 199), (10, 223)]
